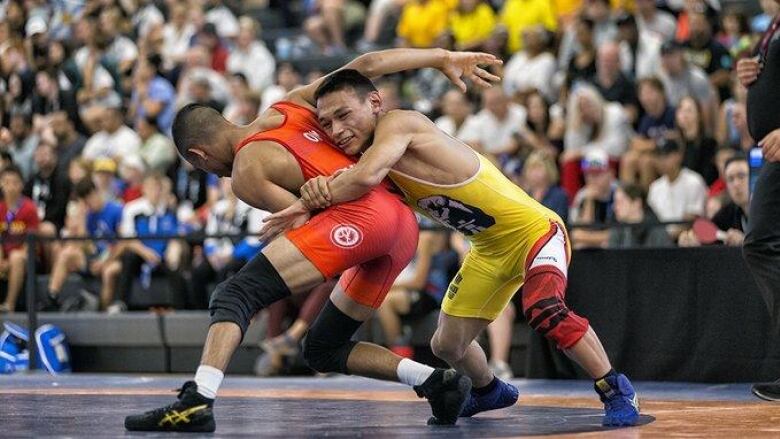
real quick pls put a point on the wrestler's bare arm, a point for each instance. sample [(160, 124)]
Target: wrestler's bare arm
[(394, 133), (252, 185), (384, 62)]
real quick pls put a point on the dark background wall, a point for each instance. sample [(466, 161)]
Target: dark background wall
[(671, 314)]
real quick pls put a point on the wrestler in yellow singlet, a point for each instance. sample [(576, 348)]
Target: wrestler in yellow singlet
[(503, 224)]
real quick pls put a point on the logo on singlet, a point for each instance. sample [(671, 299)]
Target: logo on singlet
[(346, 236), (312, 136), (460, 216)]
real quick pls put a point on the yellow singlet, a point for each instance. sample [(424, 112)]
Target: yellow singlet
[(502, 222)]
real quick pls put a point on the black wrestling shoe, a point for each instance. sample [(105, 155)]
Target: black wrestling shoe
[(191, 413), (446, 391), (767, 391)]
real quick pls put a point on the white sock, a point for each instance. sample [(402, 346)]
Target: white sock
[(208, 380), (412, 373)]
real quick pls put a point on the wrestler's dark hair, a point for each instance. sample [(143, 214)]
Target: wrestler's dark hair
[(195, 125), (343, 80)]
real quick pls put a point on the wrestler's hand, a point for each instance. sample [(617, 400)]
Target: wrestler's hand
[(458, 65), (315, 193), (748, 70), (770, 146), (289, 218)]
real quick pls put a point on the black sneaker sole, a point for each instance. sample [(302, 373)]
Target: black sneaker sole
[(766, 396), (205, 428), (463, 391)]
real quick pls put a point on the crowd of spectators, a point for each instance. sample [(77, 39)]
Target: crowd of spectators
[(616, 114)]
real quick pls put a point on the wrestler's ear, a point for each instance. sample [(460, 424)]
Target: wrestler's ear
[(375, 100), (197, 152)]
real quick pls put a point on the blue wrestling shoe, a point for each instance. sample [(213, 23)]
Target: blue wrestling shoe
[(501, 396), (621, 405)]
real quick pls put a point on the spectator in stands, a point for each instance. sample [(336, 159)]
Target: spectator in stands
[(280, 343), (115, 140), (70, 143), (492, 130), (471, 25), (651, 20), (97, 88), (96, 218), (734, 33), (638, 164), (105, 179), (540, 177), (222, 17), (591, 124), (682, 79), (157, 150), (49, 190), (21, 142), (761, 22), (78, 170), (195, 191), (689, 8), (699, 148), (722, 155), (582, 64), (200, 83), (148, 215), (640, 52), (435, 265), (131, 171), (48, 97), (456, 111), (532, 67), (19, 217), (177, 34), (708, 54), (542, 133), (422, 22), (120, 51), (251, 57), (208, 39), (287, 79), (153, 96), (731, 128), (594, 203), (679, 194), (732, 217), (596, 16), (612, 83), (517, 15), (145, 17), (378, 13), (221, 256), (637, 224), (425, 88), (328, 22)]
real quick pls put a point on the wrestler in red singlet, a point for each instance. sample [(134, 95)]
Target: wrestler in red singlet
[(370, 239)]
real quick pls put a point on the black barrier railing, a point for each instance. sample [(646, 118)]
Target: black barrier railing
[(33, 240)]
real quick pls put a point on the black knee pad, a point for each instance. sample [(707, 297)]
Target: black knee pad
[(329, 342), (254, 287)]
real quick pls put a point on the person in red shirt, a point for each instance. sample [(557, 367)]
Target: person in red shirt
[(18, 217)]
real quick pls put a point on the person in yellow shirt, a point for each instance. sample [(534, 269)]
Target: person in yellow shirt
[(516, 15), (422, 22), (471, 24)]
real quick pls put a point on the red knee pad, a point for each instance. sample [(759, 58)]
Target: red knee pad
[(545, 310)]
